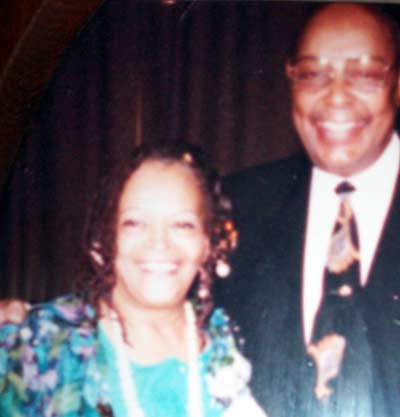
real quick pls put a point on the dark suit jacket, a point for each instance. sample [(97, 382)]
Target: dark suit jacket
[(264, 294)]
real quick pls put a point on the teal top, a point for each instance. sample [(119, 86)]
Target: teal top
[(161, 388), (54, 364)]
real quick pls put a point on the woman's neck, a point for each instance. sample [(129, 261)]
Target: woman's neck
[(152, 335)]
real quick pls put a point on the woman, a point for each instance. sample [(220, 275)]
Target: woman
[(134, 345)]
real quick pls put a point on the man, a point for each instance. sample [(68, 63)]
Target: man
[(345, 88)]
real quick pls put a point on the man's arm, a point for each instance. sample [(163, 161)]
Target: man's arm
[(13, 310)]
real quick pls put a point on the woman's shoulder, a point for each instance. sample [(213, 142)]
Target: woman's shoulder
[(48, 325), (224, 341), (46, 355), (68, 309), (228, 372)]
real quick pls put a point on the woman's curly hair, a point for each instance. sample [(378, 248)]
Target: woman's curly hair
[(99, 241)]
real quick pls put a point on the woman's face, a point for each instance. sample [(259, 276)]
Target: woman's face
[(160, 236)]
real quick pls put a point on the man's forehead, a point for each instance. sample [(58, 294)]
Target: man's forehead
[(342, 27)]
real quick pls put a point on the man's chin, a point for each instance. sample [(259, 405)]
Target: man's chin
[(340, 163)]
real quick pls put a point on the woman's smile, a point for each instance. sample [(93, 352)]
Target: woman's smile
[(159, 267)]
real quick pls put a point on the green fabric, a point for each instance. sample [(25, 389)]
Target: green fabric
[(161, 388), (55, 365)]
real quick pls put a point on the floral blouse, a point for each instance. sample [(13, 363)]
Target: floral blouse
[(52, 365)]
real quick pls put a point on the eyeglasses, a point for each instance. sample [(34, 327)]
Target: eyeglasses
[(365, 74)]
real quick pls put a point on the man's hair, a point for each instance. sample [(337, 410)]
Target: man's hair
[(384, 12)]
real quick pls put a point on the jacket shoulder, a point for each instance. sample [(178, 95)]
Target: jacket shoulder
[(267, 174), (265, 185)]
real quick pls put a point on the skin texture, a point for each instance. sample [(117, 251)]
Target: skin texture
[(161, 241), (343, 130)]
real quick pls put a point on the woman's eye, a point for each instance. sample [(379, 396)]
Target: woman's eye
[(130, 223), (185, 225)]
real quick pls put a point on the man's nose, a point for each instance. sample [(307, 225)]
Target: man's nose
[(338, 92)]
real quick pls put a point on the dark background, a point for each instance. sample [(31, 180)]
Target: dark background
[(211, 72)]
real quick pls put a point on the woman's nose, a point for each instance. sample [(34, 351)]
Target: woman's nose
[(158, 236)]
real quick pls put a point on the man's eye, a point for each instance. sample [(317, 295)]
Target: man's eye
[(366, 75), (310, 75)]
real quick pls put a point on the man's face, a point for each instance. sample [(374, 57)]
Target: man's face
[(343, 128)]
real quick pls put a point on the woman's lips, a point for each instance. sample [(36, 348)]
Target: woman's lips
[(158, 267)]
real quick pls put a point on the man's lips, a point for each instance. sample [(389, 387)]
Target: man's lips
[(339, 127), (334, 129)]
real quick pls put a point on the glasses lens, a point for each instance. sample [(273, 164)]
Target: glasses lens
[(309, 73), (363, 74), (366, 75)]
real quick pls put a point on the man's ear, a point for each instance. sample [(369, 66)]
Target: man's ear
[(288, 69), (95, 254), (397, 91)]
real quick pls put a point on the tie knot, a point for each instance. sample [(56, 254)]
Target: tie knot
[(344, 187)]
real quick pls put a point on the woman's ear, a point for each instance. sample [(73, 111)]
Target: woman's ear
[(207, 250)]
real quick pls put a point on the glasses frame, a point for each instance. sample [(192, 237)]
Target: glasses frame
[(334, 65)]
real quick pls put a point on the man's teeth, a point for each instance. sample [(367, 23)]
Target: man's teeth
[(338, 126)]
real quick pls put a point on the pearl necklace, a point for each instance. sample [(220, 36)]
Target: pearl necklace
[(129, 395)]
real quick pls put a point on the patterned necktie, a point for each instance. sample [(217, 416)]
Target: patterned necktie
[(337, 316), (342, 266), (344, 382), (341, 272)]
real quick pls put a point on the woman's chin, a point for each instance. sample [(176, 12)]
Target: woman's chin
[(159, 300)]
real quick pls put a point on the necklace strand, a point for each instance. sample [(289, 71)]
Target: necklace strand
[(126, 380), (195, 403)]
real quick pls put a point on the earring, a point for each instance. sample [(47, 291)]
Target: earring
[(222, 268), (95, 254), (203, 290), (187, 157)]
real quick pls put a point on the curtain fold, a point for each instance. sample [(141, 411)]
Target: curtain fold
[(140, 71)]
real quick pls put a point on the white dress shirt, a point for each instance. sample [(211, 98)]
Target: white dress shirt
[(374, 189)]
